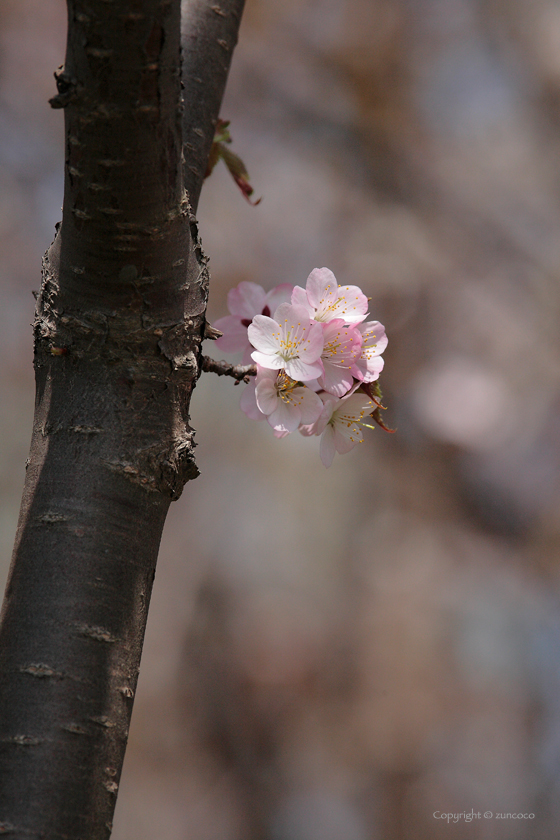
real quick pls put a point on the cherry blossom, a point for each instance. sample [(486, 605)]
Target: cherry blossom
[(342, 347), (340, 424), (317, 359), (290, 341), (325, 300), (244, 302), (374, 341), (286, 403)]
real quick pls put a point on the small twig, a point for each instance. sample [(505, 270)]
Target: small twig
[(239, 372)]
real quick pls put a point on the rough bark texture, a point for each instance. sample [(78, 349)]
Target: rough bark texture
[(118, 330)]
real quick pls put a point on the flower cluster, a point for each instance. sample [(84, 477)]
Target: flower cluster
[(316, 357)]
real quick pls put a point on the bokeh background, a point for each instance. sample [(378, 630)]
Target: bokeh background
[(338, 654)]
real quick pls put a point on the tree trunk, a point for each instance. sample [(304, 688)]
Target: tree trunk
[(118, 330)]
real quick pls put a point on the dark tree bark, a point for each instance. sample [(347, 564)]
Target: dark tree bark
[(209, 37), (118, 331)]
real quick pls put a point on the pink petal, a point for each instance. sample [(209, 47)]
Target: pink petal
[(321, 288), (299, 298), (311, 350), (246, 300), (234, 337), (374, 337), (342, 344), (336, 380), (369, 369), (314, 385), (370, 365), (247, 360), (280, 294), (291, 315)]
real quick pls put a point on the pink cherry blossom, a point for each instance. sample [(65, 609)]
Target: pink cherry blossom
[(315, 356), (290, 340), (325, 300), (342, 346), (340, 424), (370, 364), (285, 403), (244, 302)]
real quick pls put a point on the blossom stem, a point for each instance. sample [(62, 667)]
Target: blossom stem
[(239, 372)]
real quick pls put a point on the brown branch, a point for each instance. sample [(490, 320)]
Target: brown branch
[(239, 372)]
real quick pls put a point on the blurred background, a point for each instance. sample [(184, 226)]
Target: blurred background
[(339, 654)]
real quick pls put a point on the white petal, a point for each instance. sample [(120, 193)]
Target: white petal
[(286, 418), (267, 361), (310, 405), (302, 371), (346, 436), (346, 418), (265, 373), (266, 396), (326, 414), (355, 407), (264, 334), (351, 305)]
